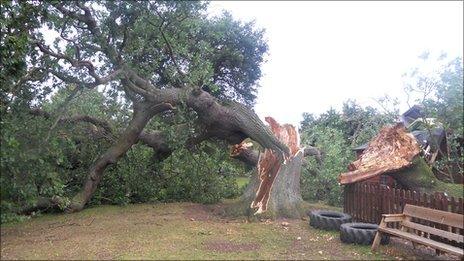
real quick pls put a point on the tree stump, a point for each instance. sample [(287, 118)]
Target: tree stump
[(274, 188)]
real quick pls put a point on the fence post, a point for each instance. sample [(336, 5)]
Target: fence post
[(371, 204), (345, 196)]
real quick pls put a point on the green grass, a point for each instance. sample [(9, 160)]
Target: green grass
[(242, 181), (171, 231)]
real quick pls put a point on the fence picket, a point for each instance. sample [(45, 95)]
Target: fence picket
[(460, 207)]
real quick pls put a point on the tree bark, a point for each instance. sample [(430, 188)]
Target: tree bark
[(284, 198)]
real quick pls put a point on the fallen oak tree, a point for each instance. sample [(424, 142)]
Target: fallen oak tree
[(128, 137), (242, 151)]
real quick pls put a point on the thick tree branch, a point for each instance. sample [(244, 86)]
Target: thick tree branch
[(41, 204), (157, 141), (244, 153)]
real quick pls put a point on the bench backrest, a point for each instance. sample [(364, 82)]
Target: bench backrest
[(437, 216)]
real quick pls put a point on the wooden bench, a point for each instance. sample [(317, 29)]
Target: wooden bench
[(417, 233)]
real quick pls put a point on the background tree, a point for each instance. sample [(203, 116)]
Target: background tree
[(440, 93)]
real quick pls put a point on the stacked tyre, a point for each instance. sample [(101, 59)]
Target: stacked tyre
[(360, 233), (328, 220)]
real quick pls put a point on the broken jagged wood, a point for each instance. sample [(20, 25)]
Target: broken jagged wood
[(395, 152), (243, 153), (270, 166), (391, 150), (247, 155)]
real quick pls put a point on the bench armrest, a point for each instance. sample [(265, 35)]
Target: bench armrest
[(393, 217)]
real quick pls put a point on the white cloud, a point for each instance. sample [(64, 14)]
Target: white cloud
[(322, 53)]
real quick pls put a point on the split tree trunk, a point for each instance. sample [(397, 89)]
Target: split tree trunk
[(274, 189)]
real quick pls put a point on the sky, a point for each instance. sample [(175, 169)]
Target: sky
[(323, 53)]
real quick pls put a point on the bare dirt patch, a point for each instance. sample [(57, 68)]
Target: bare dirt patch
[(226, 247), (198, 212), (401, 247)]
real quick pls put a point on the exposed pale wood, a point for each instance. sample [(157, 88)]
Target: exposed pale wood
[(393, 219), (393, 215), (423, 233), (392, 149), (378, 235), (272, 163), (433, 157), (438, 216), (434, 231), (424, 241)]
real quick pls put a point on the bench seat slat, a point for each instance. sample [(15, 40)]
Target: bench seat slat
[(393, 219), (434, 231), (423, 240), (437, 216)]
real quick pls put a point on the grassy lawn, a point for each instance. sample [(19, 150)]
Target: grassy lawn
[(173, 231)]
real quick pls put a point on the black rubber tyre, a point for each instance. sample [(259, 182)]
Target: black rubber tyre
[(328, 220), (360, 233)]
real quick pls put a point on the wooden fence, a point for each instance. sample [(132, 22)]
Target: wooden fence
[(367, 202)]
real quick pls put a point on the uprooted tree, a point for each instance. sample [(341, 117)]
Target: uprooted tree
[(160, 57)]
